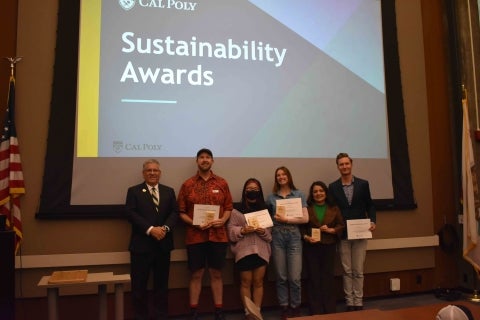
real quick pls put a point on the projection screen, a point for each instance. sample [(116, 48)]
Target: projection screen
[(261, 83)]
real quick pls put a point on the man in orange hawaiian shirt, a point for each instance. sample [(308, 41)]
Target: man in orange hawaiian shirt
[(207, 241)]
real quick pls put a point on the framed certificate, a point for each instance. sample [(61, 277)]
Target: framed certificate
[(291, 208), (205, 213), (259, 219), (358, 229)]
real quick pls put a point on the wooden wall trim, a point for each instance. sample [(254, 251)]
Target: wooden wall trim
[(179, 255), (436, 54)]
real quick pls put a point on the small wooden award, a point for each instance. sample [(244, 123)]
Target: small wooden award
[(281, 211), (316, 234)]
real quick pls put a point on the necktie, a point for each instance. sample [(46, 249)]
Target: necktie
[(155, 196)]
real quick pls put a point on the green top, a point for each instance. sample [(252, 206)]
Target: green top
[(320, 211)]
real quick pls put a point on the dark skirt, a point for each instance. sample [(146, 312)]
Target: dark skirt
[(250, 262)]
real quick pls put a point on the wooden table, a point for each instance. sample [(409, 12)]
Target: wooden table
[(100, 279), (427, 312)]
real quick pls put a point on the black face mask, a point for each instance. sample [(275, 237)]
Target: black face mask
[(252, 195)]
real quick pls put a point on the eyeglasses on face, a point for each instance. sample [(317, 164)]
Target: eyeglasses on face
[(151, 170)]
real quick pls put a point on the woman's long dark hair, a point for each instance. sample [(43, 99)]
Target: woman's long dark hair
[(328, 200), (245, 206)]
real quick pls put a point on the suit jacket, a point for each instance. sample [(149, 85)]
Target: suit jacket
[(362, 206), (142, 215), (333, 219)]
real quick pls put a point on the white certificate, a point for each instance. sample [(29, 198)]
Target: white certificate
[(253, 309), (358, 229), (205, 213), (259, 219), (289, 208)]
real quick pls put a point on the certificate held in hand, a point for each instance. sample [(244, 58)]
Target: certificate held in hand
[(259, 219), (205, 213), (289, 208), (358, 229)]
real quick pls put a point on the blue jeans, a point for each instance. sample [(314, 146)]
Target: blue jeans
[(352, 256), (287, 261)]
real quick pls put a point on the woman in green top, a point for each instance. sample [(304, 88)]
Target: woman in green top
[(320, 235)]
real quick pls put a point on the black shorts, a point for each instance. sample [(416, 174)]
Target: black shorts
[(207, 254), (250, 262)]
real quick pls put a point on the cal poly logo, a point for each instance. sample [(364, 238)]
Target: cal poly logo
[(117, 146), (126, 4)]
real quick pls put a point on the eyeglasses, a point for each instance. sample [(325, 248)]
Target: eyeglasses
[(151, 170)]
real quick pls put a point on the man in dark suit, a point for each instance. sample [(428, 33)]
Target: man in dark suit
[(153, 212), (352, 195)]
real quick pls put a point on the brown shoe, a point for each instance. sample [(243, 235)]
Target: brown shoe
[(284, 313)]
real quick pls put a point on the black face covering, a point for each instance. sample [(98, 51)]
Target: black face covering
[(252, 195)]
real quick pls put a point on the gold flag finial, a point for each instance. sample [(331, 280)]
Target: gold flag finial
[(13, 61)]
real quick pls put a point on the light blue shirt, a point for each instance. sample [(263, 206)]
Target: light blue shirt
[(272, 202)]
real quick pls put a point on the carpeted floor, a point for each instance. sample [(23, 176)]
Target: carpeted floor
[(390, 303)]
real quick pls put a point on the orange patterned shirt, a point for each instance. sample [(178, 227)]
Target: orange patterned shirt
[(213, 191)]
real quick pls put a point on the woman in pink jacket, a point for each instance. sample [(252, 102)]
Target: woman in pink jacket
[(250, 245)]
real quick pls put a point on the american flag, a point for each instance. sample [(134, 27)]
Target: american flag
[(470, 197), (11, 176)]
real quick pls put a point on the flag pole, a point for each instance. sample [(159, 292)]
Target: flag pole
[(473, 65), (13, 61)]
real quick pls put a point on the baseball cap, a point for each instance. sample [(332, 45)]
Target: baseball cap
[(454, 312), (204, 150)]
